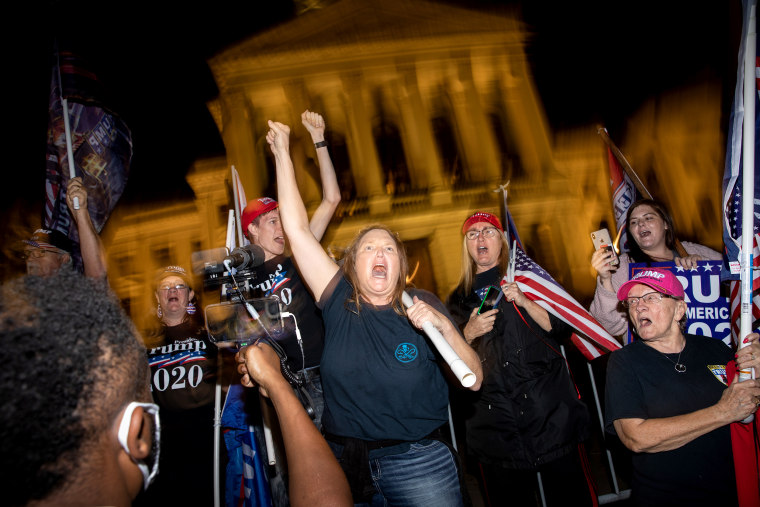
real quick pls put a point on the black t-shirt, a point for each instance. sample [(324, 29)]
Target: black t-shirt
[(643, 384), (183, 380), (279, 277), (183, 368), (380, 377)]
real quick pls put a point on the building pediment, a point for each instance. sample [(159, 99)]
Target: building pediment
[(361, 29)]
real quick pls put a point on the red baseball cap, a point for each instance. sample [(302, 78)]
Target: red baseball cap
[(256, 208), (661, 280), (482, 216)]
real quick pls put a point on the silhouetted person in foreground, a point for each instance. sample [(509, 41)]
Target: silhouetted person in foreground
[(77, 426)]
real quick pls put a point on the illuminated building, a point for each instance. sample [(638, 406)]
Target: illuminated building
[(429, 108)]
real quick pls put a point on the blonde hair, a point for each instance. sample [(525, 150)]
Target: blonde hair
[(349, 269), (468, 269)]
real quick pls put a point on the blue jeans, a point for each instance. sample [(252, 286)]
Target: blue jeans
[(425, 475)]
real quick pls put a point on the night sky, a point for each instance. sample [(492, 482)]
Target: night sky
[(593, 62)]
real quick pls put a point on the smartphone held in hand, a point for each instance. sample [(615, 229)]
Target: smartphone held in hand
[(601, 239), (491, 299)]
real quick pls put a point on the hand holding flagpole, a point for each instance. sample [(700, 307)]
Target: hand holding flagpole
[(457, 365)]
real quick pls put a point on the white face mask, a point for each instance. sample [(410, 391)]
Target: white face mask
[(149, 467)]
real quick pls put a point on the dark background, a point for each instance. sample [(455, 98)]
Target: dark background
[(593, 62)]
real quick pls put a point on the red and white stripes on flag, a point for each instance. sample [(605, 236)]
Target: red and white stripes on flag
[(735, 297), (538, 285)]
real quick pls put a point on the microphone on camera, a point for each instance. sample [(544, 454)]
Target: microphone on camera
[(248, 256)]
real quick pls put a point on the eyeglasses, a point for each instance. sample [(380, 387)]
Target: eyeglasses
[(35, 253), (649, 298), (149, 466), (178, 287), (488, 232)]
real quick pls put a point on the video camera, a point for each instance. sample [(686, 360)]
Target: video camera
[(233, 272)]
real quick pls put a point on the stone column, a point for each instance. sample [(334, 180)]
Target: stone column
[(365, 164), (526, 122), (475, 131), (238, 135), (419, 142)]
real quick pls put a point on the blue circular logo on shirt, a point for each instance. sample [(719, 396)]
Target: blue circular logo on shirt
[(406, 352)]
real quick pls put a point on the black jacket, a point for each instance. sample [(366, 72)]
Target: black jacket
[(527, 412)]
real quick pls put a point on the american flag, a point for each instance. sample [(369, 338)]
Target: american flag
[(743, 436), (732, 200), (539, 286)]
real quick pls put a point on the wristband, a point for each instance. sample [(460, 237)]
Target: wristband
[(320, 144)]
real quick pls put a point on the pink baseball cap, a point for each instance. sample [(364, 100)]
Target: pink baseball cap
[(254, 209), (661, 280), (482, 216)]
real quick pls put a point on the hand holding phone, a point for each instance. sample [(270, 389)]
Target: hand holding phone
[(601, 239)]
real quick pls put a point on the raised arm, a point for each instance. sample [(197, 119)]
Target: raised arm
[(316, 478), (93, 253), (315, 124), (317, 266)]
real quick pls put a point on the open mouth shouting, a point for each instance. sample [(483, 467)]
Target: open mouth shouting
[(379, 270), (643, 323)]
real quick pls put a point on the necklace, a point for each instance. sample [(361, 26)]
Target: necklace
[(679, 367)]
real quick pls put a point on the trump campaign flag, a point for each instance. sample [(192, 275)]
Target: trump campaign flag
[(623, 190), (98, 142), (623, 195)]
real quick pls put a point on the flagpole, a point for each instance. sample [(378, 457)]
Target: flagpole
[(634, 177), (69, 148), (66, 124), (748, 184)]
